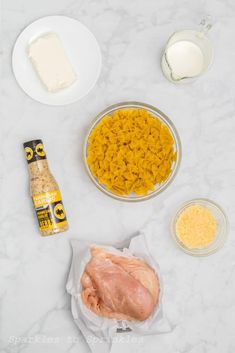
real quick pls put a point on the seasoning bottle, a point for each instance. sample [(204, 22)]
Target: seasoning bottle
[(44, 191)]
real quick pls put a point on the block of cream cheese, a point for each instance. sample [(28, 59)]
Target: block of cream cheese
[(51, 62)]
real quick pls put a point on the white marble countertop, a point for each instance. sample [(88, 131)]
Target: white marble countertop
[(199, 297)]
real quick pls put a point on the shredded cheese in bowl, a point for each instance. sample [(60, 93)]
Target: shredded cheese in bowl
[(196, 227), (200, 227)]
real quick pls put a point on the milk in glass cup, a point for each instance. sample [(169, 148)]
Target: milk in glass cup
[(188, 54)]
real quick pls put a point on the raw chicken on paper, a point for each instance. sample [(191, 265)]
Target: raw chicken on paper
[(118, 287)]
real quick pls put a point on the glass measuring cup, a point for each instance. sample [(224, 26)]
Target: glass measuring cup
[(188, 54)]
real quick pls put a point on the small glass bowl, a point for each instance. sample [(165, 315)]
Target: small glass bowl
[(222, 227), (177, 145)]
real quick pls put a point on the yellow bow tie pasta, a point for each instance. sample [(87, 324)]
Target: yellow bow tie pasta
[(130, 152)]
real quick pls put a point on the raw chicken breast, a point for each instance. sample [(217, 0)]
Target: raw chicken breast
[(118, 287)]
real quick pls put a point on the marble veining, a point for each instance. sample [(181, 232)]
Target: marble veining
[(199, 293)]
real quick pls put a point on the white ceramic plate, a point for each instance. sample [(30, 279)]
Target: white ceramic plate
[(83, 52)]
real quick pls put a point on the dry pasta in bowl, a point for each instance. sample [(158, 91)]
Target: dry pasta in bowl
[(132, 151)]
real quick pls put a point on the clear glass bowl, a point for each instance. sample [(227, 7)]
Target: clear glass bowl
[(222, 227), (177, 145)]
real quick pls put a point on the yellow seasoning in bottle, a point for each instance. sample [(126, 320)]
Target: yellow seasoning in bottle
[(44, 191)]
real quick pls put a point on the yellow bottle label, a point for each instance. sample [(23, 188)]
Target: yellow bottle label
[(50, 210)]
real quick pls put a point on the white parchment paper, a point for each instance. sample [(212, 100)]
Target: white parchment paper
[(100, 333)]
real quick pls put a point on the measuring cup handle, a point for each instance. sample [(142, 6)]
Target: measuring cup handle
[(205, 24)]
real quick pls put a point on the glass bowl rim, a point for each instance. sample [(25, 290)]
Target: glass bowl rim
[(164, 118), (206, 251)]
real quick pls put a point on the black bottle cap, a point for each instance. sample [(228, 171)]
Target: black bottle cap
[(34, 150)]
